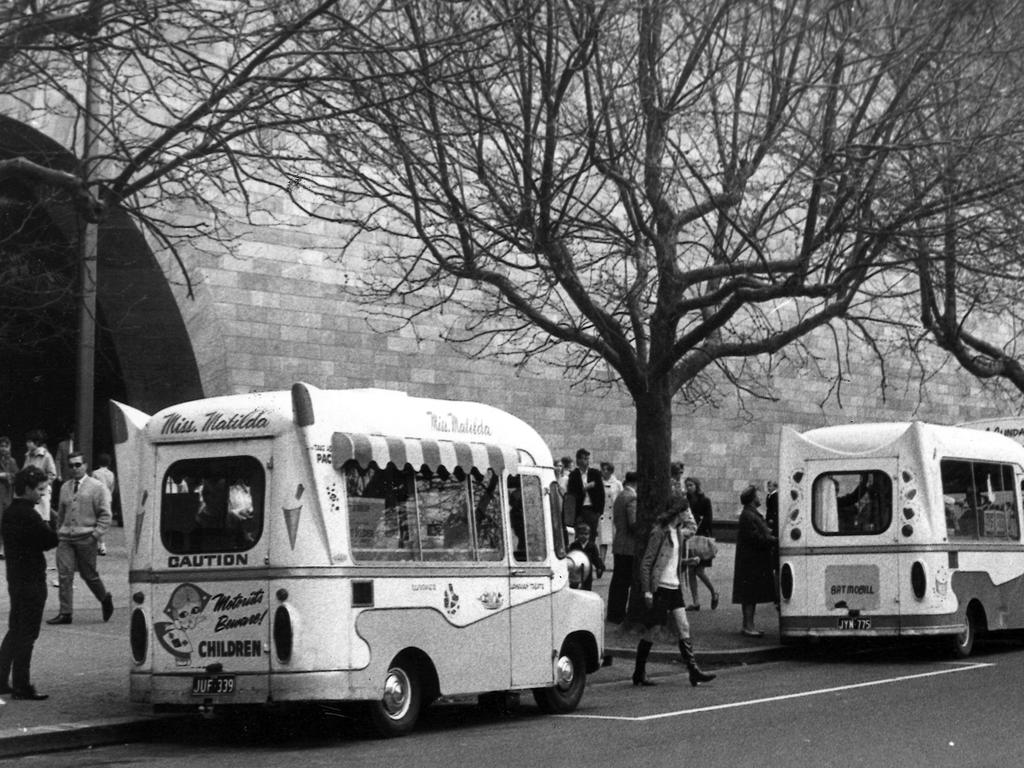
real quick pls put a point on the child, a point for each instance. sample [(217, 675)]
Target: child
[(589, 548)]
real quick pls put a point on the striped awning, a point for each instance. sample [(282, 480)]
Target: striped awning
[(432, 453)]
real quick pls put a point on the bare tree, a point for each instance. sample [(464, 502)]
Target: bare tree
[(172, 97), (966, 259), (667, 194)]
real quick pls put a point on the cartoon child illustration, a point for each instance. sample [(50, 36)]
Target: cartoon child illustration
[(185, 609)]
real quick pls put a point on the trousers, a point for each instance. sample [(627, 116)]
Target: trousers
[(78, 554), (28, 599)]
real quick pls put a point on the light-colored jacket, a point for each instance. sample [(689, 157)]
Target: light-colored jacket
[(83, 513), (659, 550)]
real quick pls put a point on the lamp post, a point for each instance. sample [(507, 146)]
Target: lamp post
[(88, 234)]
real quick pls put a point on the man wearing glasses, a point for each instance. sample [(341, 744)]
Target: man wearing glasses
[(83, 516)]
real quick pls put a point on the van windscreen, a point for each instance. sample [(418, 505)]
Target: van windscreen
[(212, 505)]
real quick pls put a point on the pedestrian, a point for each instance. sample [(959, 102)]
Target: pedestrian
[(587, 486), (568, 503), (8, 469), (753, 582), (771, 516), (661, 579), (677, 495), (63, 454), (105, 475), (84, 516), (623, 549), (583, 543), (26, 536), (38, 455), (700, 508), (612, 488)]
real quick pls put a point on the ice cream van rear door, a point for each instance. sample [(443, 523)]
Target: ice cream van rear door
[(211, 628)]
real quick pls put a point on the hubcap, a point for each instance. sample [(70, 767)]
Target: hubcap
[(565, 672), (396, 694)]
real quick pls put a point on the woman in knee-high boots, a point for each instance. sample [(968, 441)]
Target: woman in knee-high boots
[(662, 577)]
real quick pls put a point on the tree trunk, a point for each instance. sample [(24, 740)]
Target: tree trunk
[(653, 457)]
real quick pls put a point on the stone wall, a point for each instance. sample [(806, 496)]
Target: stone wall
[(275, 312)]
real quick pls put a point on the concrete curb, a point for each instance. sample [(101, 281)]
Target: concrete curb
[(15, 742), (713, 658)]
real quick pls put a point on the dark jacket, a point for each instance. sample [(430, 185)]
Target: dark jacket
[(753, 581), (576, 489), (624, 522), (26, 536), (596, 563), (700, 508)]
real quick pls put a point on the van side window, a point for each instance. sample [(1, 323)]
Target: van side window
[(212, 505), (980, 500), (429, 515), (526, 504), (852, 503)]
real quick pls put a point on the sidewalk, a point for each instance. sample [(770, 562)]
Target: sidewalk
[(716, 634), (84, 666)]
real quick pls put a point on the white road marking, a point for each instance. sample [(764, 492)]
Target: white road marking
[(963, 667)]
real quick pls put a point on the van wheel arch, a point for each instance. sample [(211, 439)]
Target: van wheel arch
[(411, 684)]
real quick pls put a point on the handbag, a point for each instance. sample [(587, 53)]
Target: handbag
[(703, 547)]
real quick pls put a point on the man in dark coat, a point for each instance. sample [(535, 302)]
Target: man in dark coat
[(587, 486), (26, 536)]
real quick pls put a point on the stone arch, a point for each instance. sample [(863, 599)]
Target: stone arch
[(144, 352)]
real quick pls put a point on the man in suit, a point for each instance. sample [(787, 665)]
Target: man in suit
[(83, 517), (587, 486)]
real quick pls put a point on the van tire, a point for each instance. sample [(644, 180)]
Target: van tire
[(397, 711), (564, 696), (963, 642)]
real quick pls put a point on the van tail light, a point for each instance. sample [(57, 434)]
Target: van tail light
[(786, 581), (138, 635), (283, 635), (918, 579)]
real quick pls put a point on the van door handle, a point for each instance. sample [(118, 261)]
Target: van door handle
[(518, 572)]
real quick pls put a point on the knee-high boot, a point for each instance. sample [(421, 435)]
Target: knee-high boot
[(696, 675), (643, 650)]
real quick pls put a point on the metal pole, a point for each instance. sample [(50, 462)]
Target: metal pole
[(88, 235)]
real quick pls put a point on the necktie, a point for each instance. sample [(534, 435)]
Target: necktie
[(76, 486)]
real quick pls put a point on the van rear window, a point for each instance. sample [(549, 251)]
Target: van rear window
[(212, 505), (852, 503)]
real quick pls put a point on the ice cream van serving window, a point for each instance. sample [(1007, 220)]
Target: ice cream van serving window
[(852, 503), (425, 515), (212, 505)]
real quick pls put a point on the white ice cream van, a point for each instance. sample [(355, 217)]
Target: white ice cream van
[(903, 529), (354, 545)]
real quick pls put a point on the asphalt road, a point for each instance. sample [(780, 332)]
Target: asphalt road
[(909, 706)]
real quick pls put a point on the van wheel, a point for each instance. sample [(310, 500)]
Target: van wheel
[(963, 643), (399, 708), (571, 678)]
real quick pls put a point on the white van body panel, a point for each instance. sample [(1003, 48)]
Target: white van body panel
[(861, 581), (211, 616)]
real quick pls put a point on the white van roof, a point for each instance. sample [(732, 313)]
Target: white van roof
[(375, 413), (887, 438)]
